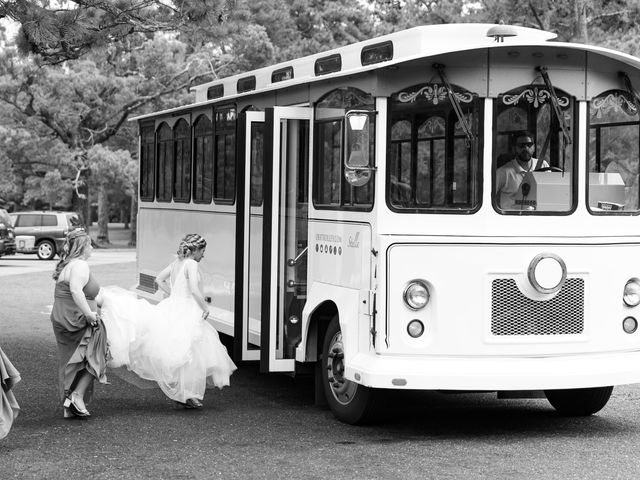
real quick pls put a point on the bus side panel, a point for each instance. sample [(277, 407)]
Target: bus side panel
[(339, 271), (160, 231)]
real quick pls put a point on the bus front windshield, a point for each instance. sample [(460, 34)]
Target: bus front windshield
[(533, 152)]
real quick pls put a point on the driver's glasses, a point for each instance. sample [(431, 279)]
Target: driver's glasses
[(525, 145)]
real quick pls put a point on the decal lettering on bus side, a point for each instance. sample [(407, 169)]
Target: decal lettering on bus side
[(354, 242)]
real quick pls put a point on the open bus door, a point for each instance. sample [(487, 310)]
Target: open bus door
[(249, 331), (275, 234), (286, 174)]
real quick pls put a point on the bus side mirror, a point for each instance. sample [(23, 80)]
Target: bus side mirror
[(357, 161)]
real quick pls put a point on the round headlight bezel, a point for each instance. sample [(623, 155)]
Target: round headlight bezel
[(632, 283), (409, 295)]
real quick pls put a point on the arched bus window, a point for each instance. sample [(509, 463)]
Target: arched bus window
[(224, 175), (164, 179), (202, 160), (614, 150), (147, 162), (533, 152), (182, 173), (432, 165), (331, 189)]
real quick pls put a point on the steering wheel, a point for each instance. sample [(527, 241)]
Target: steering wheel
[(548, 169)]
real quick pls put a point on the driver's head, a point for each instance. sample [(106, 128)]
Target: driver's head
[(524, 146)]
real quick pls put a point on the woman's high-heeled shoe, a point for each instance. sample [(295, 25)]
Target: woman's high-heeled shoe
[(71, 402), (194, 403)]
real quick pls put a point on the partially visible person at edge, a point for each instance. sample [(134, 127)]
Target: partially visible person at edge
[(9, 408), (76, 325), (170, 343)]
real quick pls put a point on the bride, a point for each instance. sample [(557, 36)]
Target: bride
[(170, 343)]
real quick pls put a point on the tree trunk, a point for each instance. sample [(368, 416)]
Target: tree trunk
[(581, 21), (124, 218), (80, 206), (103, 215), (134, 220)]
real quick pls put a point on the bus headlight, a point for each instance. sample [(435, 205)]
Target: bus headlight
[(631, 296), (416, 295)]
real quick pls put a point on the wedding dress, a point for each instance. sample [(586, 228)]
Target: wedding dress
[(168, 343)]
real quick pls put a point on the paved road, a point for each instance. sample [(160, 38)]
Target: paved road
[(267, 427)]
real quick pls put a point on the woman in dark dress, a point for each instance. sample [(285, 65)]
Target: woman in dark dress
[(76, 325)]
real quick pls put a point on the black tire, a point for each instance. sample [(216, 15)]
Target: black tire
[(350, 402), (579, 402), (46, 250)]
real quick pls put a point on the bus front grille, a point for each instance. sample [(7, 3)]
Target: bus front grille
[(147, 283), (514, 314)]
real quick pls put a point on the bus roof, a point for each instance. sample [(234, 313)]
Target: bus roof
[(391, 49)]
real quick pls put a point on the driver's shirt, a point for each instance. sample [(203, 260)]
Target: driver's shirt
[(508, 180)]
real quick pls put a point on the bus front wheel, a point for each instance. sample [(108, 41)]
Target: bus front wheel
[(350, 402), (579, 402)]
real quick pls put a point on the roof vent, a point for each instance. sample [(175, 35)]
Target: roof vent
[(499, 32)]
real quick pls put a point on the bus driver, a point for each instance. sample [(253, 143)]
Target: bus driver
[(509, 176)]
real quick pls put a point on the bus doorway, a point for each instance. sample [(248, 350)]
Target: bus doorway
[(275, 235)]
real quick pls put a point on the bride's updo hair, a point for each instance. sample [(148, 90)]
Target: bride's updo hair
[(75, 244), (189, 244)]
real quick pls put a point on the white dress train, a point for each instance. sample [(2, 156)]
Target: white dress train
[(168, 343)]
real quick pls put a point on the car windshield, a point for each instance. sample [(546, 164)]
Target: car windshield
[(4, 217)]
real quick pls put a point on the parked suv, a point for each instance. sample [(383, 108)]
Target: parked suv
[(7, 237), (42, 233)]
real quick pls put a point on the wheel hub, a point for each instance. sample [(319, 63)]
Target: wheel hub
[(342, 389)]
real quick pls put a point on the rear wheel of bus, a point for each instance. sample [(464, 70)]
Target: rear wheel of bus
[(350, 402), (579, 402)]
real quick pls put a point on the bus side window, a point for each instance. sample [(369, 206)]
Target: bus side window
[(431, 163), (164, 159), (614, 135), (202, 160), (182, 156), (147, 162), (331, 186), (224, 175)]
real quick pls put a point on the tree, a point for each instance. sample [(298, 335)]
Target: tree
[(582, 21), (611, 23), (110, 170), (55, 189), (66, 30), (87, 102)]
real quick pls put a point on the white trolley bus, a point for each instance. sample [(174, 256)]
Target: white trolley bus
[(354, 223)]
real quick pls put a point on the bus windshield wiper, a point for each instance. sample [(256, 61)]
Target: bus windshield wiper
[(630, 90), (556, 105), (455, 104)]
